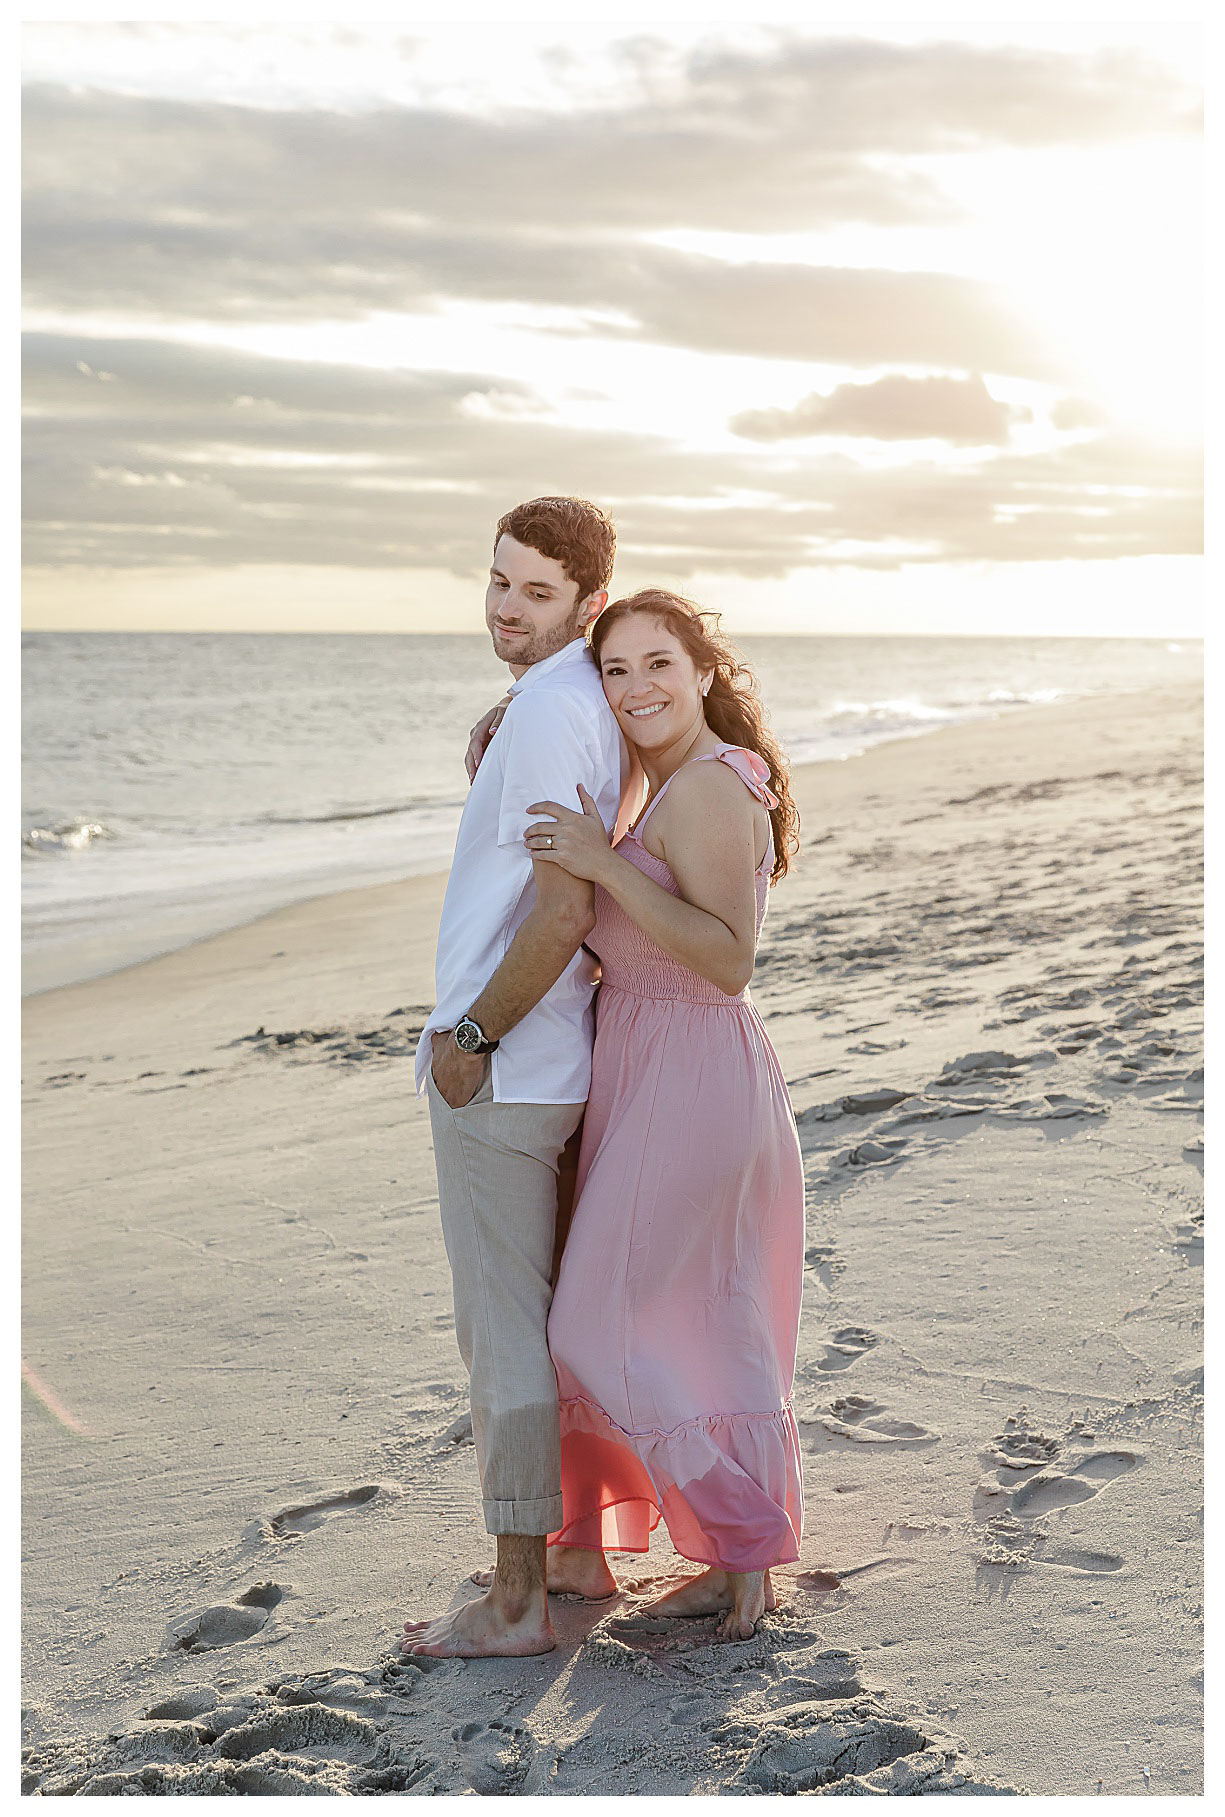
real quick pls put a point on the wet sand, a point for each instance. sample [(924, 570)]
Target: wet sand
[(246, 1451)]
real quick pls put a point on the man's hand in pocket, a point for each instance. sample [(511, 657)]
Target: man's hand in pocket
[(457, 1075)]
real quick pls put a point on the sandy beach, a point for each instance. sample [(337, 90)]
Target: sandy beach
[(246, 1450)]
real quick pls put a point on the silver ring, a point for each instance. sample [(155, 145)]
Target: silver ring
[(548, 839)]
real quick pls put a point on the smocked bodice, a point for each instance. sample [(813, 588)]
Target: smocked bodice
[(630, 960)]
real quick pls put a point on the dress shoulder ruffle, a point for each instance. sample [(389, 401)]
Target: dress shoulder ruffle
[(752, 769)]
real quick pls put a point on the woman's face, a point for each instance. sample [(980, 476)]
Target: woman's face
[(650, 682)]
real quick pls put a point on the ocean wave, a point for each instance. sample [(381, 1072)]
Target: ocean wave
[(339, 814), (906, 711), (1036, 697), (72, 836), (847, 727)]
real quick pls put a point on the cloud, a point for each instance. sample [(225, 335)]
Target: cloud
[(189, 456), (893, 408), (302, 269), (148, 452), (866, 95), (786, 137), (589, 172), (166, 207)]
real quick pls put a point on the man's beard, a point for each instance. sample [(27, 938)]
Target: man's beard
[(525, 652)]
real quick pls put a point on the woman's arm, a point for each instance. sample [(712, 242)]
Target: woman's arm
[(708, 840), (481, 733)]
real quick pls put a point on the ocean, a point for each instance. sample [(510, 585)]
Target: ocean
[(175, 784)]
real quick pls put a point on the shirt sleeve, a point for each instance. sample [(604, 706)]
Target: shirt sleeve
[(546, 755)]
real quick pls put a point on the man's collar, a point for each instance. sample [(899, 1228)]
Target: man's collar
[(574, 651)]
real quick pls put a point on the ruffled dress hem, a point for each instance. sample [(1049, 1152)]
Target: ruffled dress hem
[(726, 1484)]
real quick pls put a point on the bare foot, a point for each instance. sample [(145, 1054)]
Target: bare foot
[(487, 1628), (711, 1593), (573, 1571), (749, 1604), (510, 1621)]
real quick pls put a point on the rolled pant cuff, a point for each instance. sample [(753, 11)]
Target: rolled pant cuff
[(536, 1518)]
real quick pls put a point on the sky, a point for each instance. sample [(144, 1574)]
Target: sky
[(864, 327)]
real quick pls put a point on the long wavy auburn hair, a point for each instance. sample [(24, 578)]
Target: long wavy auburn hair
[(733, 706)]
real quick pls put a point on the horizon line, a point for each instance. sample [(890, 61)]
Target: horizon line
[(1157, 637)]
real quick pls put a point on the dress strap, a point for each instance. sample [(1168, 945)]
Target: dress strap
[(633, 832), (752, 769)]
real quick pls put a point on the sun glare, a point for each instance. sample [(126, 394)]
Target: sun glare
[(1102, 248)]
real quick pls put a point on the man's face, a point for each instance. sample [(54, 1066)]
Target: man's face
[(531, 607)]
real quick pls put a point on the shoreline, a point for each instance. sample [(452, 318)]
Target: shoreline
[(313, 894), (247, 1415)]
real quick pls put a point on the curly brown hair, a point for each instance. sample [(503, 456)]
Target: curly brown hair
[(571, 531), (734, 709)]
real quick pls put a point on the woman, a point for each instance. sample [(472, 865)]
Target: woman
[(673, 1327)]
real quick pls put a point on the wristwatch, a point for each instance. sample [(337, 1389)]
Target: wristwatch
[(470, 1037)]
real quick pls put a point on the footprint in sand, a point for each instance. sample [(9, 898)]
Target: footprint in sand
[(292, 1523), (832, 1673), (875, 1154), (822, 1258), (1074, 1559), (813, 1747), (1014, 1545), (338, 1046), (494, 1757), (1188, 1240), (185, 1706), (251, 1748), (223, 1624), (823, 1581), (1052, 1489), (459, 1432), (294, 1731), (846, 1347), (990, 1064), (855, 1417), (1021, 1446)]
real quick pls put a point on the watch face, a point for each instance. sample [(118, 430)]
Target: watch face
[(468, 1036)]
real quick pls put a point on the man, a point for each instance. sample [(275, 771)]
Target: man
[(506, 1055)]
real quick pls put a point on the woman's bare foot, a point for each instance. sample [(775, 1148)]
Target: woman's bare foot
[(712, 1592), (573, 1571), (749, 1604)]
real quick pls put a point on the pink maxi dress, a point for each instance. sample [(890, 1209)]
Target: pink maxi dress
[(674, 1325)]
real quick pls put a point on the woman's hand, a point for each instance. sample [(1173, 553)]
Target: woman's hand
[(577, 842), (482, 732)]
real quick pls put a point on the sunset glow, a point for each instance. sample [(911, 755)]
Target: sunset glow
[(871, 329)]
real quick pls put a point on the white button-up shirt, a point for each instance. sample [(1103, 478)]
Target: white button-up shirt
[(558, 731)]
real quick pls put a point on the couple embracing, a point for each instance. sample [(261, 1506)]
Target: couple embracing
[(648, 1376)]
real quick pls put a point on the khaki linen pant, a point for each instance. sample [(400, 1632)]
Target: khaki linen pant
[(497, 1191)]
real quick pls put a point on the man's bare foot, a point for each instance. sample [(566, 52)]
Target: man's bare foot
[(510, 1621), (573, 1571), (482, 1629), (712, 1592)]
